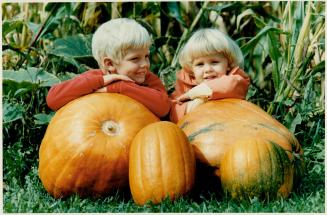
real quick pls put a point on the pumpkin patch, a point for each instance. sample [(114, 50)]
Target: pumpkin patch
[(161, 163), (85, 147)]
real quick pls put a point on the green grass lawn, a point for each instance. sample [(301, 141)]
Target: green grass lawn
[(205, 197)]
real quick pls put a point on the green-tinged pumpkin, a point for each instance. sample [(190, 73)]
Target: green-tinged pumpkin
[(85, 147), (252, 168), (216, 125), (161, 163)]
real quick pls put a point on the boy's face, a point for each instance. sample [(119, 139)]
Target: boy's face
[(134, 65), (209, 67)]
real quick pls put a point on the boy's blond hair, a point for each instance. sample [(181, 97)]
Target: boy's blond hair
[(210, 41), (113, 38)]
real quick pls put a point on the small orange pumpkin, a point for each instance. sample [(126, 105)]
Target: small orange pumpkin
[(85, 147), (253, 168), (161, 163)]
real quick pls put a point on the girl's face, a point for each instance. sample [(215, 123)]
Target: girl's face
[(209, 67)]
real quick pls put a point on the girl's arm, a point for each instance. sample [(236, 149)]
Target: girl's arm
[(233, 85)]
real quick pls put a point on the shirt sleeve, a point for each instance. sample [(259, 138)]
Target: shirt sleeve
[(177, 111), (152, 95), (64, 92), (233, 85)]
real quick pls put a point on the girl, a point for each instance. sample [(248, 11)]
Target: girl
[(211, 69)]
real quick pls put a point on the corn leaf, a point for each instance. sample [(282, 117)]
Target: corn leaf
[(274, 54), (253, 42)]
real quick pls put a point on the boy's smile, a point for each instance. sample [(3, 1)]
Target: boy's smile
[(135, 65), (209, 67)]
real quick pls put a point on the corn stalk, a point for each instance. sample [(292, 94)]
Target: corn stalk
[(299, 52)]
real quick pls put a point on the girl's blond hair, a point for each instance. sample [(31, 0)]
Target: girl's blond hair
[(210, 41), (113, 38)]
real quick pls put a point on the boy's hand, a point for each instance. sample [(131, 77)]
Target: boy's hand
[(107, 79)]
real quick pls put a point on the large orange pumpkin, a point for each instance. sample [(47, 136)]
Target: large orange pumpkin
[(252, 168), (216, 125), (85, 147), (161, 163)]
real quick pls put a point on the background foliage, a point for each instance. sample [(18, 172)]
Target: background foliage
[(43, 44)]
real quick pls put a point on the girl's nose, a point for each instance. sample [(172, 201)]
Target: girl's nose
[(207, 68)]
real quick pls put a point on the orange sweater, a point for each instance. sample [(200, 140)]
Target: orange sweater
[(152, 94), (233, 85)]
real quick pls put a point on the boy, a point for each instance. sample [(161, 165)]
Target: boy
[(211, 69), (121, 48)]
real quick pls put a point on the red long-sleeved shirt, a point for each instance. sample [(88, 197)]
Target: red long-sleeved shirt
[(151, 93), (233, 85)]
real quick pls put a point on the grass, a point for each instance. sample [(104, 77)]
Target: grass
[(31, 197)]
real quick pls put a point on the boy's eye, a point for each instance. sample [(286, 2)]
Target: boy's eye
[(198, 64)]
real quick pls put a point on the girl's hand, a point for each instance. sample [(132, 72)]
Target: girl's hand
[(183, 98), (191, 105), (107, 79), (200, 91)]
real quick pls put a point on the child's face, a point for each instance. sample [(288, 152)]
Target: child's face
[(135, 65), (209, 67)]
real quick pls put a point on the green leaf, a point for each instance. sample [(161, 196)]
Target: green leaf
[(296, 121), (320, 67), (308, 94), (174, 11), (12, 112), (77, 46), (42, 118), (11, 25), (274, 54), (226, 7), (31, 76), (253, 42)]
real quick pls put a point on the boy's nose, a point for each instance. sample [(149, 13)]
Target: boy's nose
[(145, 63)]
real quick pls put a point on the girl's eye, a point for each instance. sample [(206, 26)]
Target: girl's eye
[(215, 62), (134, 58)]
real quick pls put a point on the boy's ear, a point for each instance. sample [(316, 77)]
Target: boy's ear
[(109, 65)]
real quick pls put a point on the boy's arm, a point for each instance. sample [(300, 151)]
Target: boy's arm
[(62, 93), (153, 95)]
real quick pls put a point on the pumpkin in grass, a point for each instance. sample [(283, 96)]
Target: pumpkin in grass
[(85, 147), (252, 168), (216, 125), (161, 163)]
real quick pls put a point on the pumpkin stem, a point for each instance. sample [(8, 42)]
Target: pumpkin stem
[(110, 128)]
